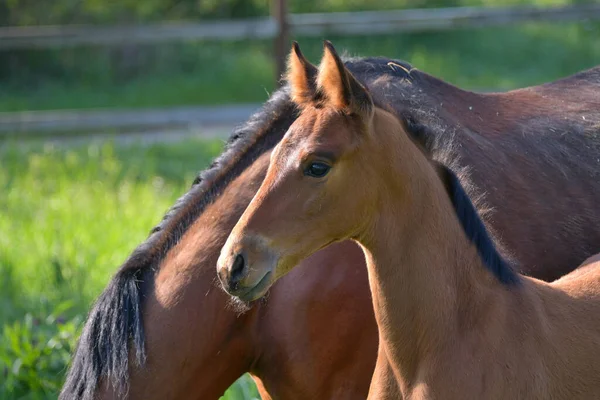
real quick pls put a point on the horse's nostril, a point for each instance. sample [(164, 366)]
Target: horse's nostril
[(237, 268)]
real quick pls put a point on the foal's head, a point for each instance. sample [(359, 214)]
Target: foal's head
[(319, 187)]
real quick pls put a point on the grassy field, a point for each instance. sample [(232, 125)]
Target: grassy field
[(68, 219), (226, 72)]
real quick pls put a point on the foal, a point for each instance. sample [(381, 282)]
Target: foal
[(455, 321)]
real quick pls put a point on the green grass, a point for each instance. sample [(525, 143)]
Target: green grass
[(68, 219), (216, 73)]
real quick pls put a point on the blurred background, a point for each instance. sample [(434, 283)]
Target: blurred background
[(109, 109)]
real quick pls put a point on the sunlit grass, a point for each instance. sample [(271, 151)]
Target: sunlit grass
[(68, 219)]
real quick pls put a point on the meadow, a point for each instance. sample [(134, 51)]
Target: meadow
[(68, 218)]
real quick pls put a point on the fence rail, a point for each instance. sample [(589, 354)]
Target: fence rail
[(350, 23), (48, 122), (279, 26), (77, 35)]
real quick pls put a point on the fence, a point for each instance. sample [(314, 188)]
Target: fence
[(48, 122), (279, 27)]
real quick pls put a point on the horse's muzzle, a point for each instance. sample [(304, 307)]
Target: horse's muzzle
[(246, 268)]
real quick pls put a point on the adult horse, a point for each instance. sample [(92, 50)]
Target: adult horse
[(455, 320), (161, 329)]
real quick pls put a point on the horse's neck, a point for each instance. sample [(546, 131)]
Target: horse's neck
[(425, 276), (187, 307)]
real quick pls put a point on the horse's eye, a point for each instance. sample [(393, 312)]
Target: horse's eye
[(317, 169)]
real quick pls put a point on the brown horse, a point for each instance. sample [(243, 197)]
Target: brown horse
[(455, 321), (161, 329)]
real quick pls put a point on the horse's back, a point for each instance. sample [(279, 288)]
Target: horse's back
[(572, 329), (595, 259), (585, 83), (584, 281), (572, 304), (536, 153)]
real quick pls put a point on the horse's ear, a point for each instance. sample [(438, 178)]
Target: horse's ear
[(339, 87), (301, 75)]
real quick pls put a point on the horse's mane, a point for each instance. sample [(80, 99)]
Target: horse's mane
[(433, 135), (114, 328), (437, 140), (475, 230)]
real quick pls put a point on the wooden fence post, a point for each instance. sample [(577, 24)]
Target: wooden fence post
[(279, 13)]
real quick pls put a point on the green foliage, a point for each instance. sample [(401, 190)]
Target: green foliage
[(244, 389), (73, 215), (34, 353), (217, 73), (68, 219), (32, 12), (166, 75)]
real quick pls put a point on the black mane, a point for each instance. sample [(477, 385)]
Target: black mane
[(475, 229), (422, 124), (114, 327)]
